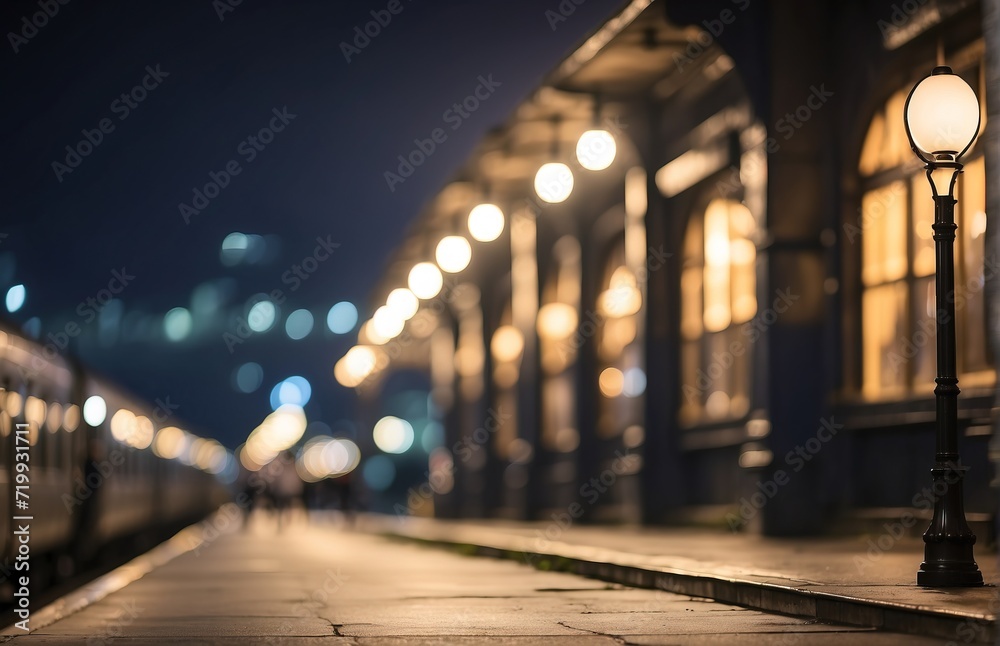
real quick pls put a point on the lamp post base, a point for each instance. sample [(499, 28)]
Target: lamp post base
[(948, 559), (949, 575)]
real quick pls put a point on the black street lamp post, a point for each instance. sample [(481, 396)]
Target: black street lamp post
[(942, 120)]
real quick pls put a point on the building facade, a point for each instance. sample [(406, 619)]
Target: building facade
[(732, 324)]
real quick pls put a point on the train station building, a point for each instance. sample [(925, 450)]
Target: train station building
[(704, 291)]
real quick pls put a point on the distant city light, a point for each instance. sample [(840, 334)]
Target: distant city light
[(95, 410), (299, 324), (15, 298), (261, 316), (177, 324), (393, 435), (249, 377), (294, 391), (378, 473), (342, 318)]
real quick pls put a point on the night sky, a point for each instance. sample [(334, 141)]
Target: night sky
[(216, 74)]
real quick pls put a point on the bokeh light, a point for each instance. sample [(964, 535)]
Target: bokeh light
[(299, 324), (342, 318), (393, 435)]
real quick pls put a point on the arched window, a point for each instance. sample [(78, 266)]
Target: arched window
[(718, 299), (621, 378), (559, 341), (898, 264), (507, 349)]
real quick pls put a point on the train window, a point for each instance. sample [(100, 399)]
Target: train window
[(898, 264)]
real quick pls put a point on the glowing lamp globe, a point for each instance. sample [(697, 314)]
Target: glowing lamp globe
[(596, 149), (486, 222), (425, 280), (554, 182), (403, 303), (453, 254), (942, 115)]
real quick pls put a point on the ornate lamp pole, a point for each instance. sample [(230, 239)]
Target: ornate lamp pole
[(942, 120)]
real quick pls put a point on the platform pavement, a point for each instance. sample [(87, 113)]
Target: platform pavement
[(867, 580), (321, 586)]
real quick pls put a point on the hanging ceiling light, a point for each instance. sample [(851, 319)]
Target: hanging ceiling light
[(596, 148), (486, 222), (403, 302), (554, 180), (453, 254), (425, 280)]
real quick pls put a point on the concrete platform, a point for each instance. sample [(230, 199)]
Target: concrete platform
[(865, 581), (320, 585)]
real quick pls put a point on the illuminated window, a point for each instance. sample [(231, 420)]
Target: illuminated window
[(621, 378), (507, 349), (718, 300), (559, 341), (898, 264)]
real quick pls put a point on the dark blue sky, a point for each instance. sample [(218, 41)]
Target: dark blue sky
[(219, 81)]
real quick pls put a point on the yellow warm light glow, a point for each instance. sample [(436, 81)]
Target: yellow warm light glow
[(453, 254), (170, 442), (34, 411), (403, 302), (486, 222), (596, 149), (12, 403), (123, 425), (71, 418), (54, 418), (554, 182), (622, 297), (425, 280), (943, 114), (611, 382), (355, 366), (556, 321), (507, 343), (387, 323), (142, 433)]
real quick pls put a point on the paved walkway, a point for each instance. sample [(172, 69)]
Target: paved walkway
[(867, 580), (318, 585)]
